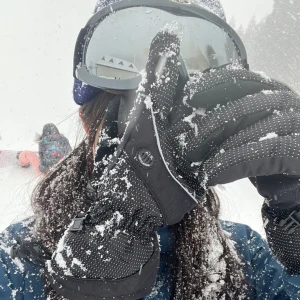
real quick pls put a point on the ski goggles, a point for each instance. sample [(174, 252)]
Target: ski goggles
[(113, 48)]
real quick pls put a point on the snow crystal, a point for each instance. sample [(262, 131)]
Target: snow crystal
[(155, 292), (62, 263), (148, 102), (184, 100), (266, 222), (14, 293), (114, 141), (277, 112), (174, 28), (19, 264), (270, 135), (117, 217), (128, 184), (6, 249), (263, 75), (100, 229), (77, 262), (196, 112), (69, 251), (196, 164), (141, 88), (234, 66), (161, 65), (268, 92), (181, 139)]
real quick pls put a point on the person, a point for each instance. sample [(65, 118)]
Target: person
[(93, 235), (53, 147)]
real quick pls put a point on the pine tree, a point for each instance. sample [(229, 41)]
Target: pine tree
[(232, 22), (273, 44)]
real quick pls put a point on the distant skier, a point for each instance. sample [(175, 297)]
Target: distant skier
[(53, 147)]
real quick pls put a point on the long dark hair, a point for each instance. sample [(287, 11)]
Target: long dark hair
[(61, 194), (206, 263), (201, 271)]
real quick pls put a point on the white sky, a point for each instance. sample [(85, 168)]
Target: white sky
[(37, 42), (243, 10)]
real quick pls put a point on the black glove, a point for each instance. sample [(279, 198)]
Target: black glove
[(263, 129), (250, 135), (112, 251), (281, 216), (270, 145)]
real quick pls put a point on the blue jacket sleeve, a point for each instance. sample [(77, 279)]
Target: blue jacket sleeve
[(19, 280), (265, 276)]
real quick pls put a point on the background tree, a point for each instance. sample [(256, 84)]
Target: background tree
[(273, 44)]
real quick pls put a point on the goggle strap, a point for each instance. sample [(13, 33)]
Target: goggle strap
[(79, 50)]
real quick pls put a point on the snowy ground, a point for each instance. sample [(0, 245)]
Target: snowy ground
[(16, 184), (239, 201)]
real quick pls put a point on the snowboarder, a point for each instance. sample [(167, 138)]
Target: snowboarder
[(98, 212), (53, 147)]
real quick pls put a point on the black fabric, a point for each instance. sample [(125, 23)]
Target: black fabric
[(283, 234), (281, 215), (218, 87), (281, 191), (126, 104), (260, 159), (129, 288), (121, 224)]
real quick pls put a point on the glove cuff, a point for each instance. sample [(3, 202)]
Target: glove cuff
[(283, 234), (283, 192), (132, 287)]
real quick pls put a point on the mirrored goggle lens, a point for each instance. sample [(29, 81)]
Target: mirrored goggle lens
[(118, 46)]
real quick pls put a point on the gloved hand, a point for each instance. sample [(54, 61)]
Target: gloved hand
[(254, 133), (112, 251), (168, 155), (264, 130), (281, 216)]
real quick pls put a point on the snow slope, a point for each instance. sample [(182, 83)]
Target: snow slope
[(239, 201)]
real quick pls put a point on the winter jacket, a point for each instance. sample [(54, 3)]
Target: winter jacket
[(53, 146), (266, 278)]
